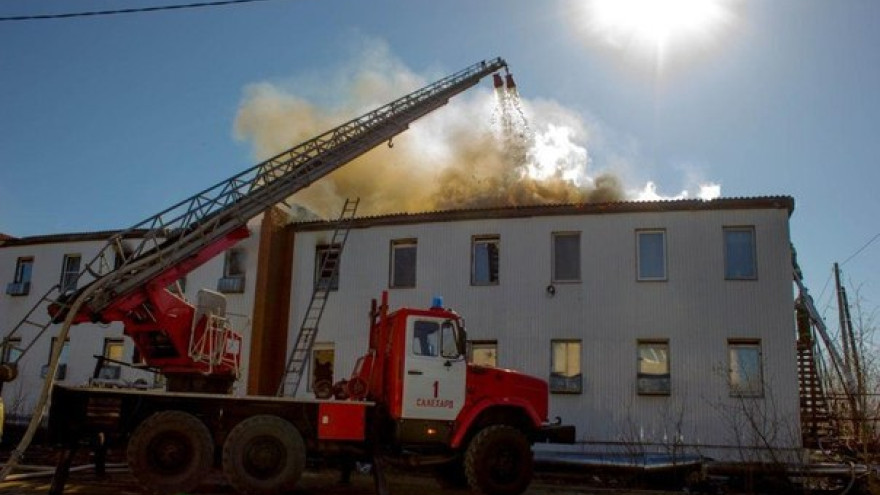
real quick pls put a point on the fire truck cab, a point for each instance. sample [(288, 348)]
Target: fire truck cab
[(473, 419)]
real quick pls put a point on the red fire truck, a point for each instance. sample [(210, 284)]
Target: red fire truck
[(412, 399)]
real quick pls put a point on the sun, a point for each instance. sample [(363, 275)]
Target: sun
[(657, 25)]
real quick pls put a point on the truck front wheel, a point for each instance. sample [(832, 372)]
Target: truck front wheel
[(498, 461), (264, 455), (170, 452)]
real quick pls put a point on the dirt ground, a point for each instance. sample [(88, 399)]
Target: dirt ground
[(315, 481)]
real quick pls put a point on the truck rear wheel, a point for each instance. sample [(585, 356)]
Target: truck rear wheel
[(498, 461), (170, 452), (264, 455)]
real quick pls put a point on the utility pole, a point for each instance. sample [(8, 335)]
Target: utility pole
[(852, 356)]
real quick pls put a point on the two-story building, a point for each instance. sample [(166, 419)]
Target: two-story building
[(658, 325)]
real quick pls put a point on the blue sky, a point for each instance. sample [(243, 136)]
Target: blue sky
[(107, 120)]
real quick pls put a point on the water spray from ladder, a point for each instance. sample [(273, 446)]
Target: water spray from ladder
[(515, 133)]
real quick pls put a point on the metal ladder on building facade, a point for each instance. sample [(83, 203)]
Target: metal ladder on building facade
[(325, 281), (817, 427)]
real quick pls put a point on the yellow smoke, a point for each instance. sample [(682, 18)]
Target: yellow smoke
[(478, 151)]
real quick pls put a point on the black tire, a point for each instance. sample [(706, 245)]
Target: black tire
[(498, 461), (170, 452), (264, 455)]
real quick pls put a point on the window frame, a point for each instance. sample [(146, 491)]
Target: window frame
[(11, 352), (61, 371), (234, 271), (639, 258), (729, 273), (399, 245), (20, 273), (69, 276), (554, 268), (491, 345), (486, 240), (571, 384), (228, 265), (114, 370), (429, 337), (748, 391), (321, 251), (321, 347), (644, 378)]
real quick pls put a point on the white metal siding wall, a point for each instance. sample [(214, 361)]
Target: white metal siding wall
[(609, 310), (87, 340)]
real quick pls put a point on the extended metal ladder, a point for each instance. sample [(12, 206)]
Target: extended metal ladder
[(168, 241), (325, 281)]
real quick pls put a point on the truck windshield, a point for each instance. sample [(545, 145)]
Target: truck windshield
[(431, 338)]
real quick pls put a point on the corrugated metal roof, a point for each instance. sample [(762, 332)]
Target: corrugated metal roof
[(737, 203), (68, 237), (4, 238)]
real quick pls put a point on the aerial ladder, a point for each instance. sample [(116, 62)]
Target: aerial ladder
[(808, 316), (128, 283)]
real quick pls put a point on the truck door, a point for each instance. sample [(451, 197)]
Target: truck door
[(434, 370)]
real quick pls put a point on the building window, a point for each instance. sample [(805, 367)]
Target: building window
[(565, 366), (739, 253), (403, 263), (323, 359), (745, 368), (483, 353), (651, 254), (233, 272), (61, 372), (234, 263), (11, 350), (114, 350), (484, 260), (21, 282), (69, 272), (653, 368), (566, 256), (23, 269), (327, 267)]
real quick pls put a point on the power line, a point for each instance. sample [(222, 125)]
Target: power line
[(196, 5), (862, 248)]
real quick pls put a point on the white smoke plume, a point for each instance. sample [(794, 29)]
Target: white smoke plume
[(485, 148), (705, 191)]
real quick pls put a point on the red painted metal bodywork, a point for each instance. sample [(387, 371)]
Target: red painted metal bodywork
[(161, 323), (488, 388), (342, 420), (381, 371)]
